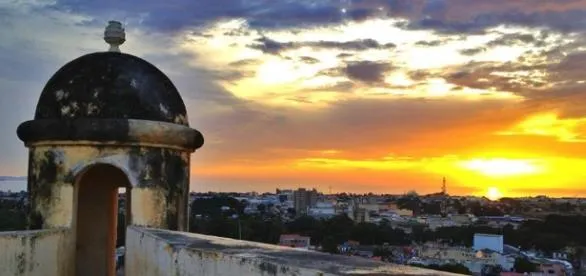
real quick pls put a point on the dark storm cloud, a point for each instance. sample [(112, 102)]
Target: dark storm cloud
[(232, 75), (569, 69), (363, 71), (332, 72), (419, 75), (431, 43), (342, 86), (465, 16), (568, 89), (367, 71), (565, 79), (477, 23), (518, 39), (245, 62), (309, 60), (264, 128), (483, 75), (472, 51), (356, 45), (177, 15), (271, 46), (448, 27), (448, 16), (510, 39), (238, 32)]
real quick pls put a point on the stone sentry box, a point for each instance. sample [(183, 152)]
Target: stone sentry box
[(105, 121)]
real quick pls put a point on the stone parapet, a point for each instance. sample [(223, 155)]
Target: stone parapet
[(36, 253), (156, 252)]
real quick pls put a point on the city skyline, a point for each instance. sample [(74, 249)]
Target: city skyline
[(361, 96)]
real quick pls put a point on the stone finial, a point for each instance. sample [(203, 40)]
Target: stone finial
[(114, 35)]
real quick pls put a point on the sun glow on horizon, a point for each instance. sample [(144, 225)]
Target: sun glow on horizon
[(493, 193), (550, 124), (501, 167), (510, 174), (306, 69)]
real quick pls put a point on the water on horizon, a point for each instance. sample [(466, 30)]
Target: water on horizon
[(13, 185)]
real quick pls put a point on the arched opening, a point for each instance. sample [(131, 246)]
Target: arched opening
[(96, 219)]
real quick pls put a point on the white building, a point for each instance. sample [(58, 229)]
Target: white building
[(488, 241)]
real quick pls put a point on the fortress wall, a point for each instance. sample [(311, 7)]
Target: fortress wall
[(156, 252), (36, 253)]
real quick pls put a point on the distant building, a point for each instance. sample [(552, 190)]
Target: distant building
[(488, 241), (393, 207), (295, 241), (279, 191), (322, 210), (361, 215), (304, 199), (474, 260), (552, 269)]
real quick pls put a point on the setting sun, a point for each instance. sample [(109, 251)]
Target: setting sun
[(493, 193), (501, 167)]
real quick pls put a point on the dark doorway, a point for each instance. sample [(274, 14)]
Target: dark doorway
[(96, 219)]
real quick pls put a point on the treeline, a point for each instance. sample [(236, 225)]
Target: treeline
[(208, 217), (12, 215), (224, 216), (453, 268), (553, 233)]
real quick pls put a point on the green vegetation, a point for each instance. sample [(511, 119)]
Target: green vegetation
[(554, 233), (224, 216), (208, 218), (453, 268), (523, 265), (12, 215)]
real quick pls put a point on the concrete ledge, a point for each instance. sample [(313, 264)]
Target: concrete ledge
[(106, 131), (32, 253), (162, 252)]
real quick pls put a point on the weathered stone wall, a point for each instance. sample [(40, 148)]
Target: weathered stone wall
[(155, 252), (36, 253), (159, 178)]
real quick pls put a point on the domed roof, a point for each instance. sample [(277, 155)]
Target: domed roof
[(111, 85)]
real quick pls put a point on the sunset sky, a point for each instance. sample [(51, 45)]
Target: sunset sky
[(382, 96)]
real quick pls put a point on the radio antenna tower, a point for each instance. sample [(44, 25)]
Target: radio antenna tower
[(444, 198)]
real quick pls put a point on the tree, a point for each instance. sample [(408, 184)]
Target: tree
[(523, 265), (291, 212), (213, 206), (410, 202), (339, 227), (307, 226), (433, 208), (383, 252), (453, 268), (12, 216), (491, 270), (329, 245)]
